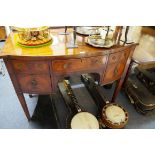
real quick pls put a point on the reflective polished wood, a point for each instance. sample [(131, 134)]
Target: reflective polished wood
[(38, 70), (57, 48)]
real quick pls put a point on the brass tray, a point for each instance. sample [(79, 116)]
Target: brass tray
[(97, 41), (87, 30)]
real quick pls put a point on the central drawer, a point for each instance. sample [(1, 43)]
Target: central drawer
[(72, 65)]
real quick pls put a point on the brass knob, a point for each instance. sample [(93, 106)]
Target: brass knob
[(115, 71), (66, 65), (19, 66), (98, 61), (40, 65), (114, 57), (34, 83)]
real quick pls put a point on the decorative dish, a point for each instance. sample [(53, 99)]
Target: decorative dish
[(36, 45), (98, 41), (33, 36), (87, 30)]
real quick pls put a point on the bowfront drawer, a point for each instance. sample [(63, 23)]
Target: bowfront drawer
[(119, 56), (30, 67), (71, 65), (113, 72), (115, 68), (34, 83), (113, 58)]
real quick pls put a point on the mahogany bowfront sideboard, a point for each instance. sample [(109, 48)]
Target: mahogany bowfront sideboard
[(38, 70)]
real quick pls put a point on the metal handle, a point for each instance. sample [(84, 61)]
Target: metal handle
[(66, 65), (40, 65), (19, 66), (114, 57), (98, 62), (34, 83), (115, 71)]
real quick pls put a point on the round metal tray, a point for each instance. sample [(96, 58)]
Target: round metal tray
[(97, 41), (87, 30)]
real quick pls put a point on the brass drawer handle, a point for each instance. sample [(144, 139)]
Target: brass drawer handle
[(19, 66), (66, 66), (98, 62), (115, 71), (40, 66), (34, 83), (114, 58)]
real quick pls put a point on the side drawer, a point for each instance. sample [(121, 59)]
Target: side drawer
[(34, 83), (71, 65), (119, 56), (30, 67), (116, 64), (113, 72)]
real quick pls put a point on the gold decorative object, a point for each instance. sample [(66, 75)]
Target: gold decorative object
[(33, 36)]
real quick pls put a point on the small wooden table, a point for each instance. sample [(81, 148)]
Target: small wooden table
[(38, 70)]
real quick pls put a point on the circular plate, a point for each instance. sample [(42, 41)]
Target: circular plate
[(87, 30), (35, 46), (97, 41)]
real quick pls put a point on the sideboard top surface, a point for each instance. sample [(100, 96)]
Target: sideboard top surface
[(57, 48)]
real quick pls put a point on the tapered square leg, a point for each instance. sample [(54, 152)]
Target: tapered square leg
[(117, 89), (24, 105)]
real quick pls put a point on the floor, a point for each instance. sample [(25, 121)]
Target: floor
[(12, 116)]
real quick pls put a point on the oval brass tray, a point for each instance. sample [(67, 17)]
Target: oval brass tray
[(87, 30), (97, 41)]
